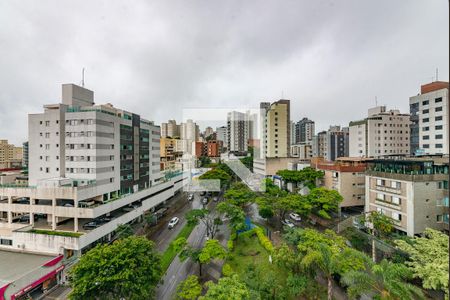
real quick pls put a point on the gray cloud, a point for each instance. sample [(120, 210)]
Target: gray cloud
[(331, 58)]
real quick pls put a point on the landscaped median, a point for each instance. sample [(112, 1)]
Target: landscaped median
[(170, 253)]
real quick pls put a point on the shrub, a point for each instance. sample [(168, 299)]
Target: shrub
[(263, 239), (230, 245), (233, 236), (227, 270)]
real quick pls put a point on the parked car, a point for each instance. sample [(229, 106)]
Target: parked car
[(288, 223), (91, 225), (215, 198), (205, 201), (68, 205), (174, 221), (203, 193), (23, 201), (103, 219), (26, 218), (295, 217), (190, 197)]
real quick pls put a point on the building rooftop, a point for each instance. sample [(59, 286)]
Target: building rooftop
[(14, 265)]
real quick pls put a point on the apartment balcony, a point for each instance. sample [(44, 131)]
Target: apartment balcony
[(443, 202), (388, 204), (388, 189)]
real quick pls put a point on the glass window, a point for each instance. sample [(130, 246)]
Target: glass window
[(438, 127), (426, 128), (380, 196), (425, 102), (395, 184), (438, 145), (396, 216), (426, 137), (438, 100), (438, 118), (438, 108), (426, 120), (425, 111), (396, 200), (438, 136)]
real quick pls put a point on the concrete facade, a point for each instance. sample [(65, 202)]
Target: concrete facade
[(381, 133), (430, 120)]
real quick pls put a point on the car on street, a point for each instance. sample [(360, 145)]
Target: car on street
[(203, 193), (173, 222), (288, 223), (215, 198), (295, 217), (91, 225), (102, 220), (190, 197), (205, 201), (26, 218)]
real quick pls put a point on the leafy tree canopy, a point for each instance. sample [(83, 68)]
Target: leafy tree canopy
[(189, 289), (129, 268), (219, 174), (324, 201), (226, 288), (307, 176), (428, 258), (239, 194)]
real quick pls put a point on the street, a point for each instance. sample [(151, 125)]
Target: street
[(178, 271)]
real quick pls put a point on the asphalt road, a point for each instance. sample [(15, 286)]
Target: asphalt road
[(178, 271)]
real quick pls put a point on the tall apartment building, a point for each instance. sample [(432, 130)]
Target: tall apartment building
[(337, 142), (221, 135), (170, 154), (303, 151), (319, 145), (209, 131), (238, 129), (430, 119), (86, 161), (304, 130), (381, 133), (292, 139), (347, 176), (10, 155), (276, 129), (412, 191)]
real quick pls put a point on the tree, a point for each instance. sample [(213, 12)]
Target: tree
[(264, 283), (239, 194), (217, 174), (380, 225), (129, 268), (212, 250), (234, 213), (386, 280), (248, 162), (204, 161), (124, 231), (189, 289), (279, 206), (324, 260), (150, 220), (307, 176), (287, 259), (428, 258), (226, 288), (324, 201), (210, 219)]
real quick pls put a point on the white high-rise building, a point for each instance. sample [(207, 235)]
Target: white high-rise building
[(221, 135), (91, 168), (430, 119), (382, 133), (237, 132)]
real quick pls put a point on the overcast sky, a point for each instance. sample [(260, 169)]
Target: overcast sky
[(330, 58)]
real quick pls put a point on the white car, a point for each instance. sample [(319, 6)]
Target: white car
[(174, 221), (295, 217), (288, 223), (190, 197)]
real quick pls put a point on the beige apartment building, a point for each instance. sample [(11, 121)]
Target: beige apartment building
[(382, 133), (10, 155), (412, 191), (277, 129), (347, 176)]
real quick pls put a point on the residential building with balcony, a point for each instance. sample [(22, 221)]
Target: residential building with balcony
[(382, 133), (87, 163), (347, 176), (412, 191), (10, 155)]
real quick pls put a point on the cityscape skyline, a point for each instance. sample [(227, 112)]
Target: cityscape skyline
[(219, 68)]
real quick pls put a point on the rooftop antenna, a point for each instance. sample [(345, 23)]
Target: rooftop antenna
[(376, 101), (82, 77), (282, 94), (437, 73)]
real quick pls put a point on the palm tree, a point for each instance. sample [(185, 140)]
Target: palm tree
[(323, 259), (386, 280)]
